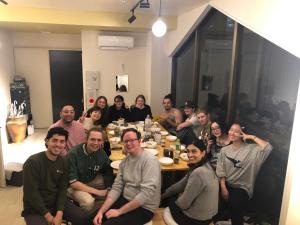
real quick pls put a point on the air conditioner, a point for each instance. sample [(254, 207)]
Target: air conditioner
[(115, 42)]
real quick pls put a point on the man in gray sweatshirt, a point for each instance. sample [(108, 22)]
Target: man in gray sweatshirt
[(135, 194)]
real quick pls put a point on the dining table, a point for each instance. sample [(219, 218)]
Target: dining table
[(118, 153)]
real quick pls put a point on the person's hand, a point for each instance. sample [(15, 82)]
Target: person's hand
[(179, 127), (209, 142), (49, 218), (247, 136), (58, 218), (225, 193), (98, 219), (112, 213), (82, 118)]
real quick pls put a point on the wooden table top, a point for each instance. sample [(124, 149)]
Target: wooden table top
[(117, 154)]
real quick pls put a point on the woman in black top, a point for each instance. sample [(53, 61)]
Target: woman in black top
[(140, 110), (118, 110), (219, 139), (100, 102)]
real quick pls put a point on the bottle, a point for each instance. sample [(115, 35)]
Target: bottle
[(148, 124), (177, 151)]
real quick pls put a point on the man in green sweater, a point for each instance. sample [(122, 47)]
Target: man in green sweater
[(45, 185), (89, 172)]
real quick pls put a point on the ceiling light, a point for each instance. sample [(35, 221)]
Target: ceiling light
[(145, 5), (159, 28), (132, 18)]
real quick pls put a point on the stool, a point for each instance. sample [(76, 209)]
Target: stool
[(168, 217)]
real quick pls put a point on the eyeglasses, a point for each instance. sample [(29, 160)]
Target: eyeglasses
[(129, 140), (217, 128)]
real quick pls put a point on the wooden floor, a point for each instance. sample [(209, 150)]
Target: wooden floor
[(11, 207)]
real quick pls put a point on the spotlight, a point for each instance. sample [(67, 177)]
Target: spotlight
[(145, 5), (132, 18)]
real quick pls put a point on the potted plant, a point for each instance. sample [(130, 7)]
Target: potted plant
[(16, 123)]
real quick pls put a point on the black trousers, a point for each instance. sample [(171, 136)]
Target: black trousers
[(72, 213), (182, 219), (138, 216), (238, 200)]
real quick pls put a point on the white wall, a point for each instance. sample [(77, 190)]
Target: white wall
[(109, 64), (6, 73), (31, 51)]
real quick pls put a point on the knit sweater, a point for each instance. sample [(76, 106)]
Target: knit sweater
[(139, 178), (200, 191), (45, 184)]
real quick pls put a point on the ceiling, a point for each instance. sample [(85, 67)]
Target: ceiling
[(169, 7), (72, 16)]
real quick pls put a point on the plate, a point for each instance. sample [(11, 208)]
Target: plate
[(152, 151), (115, 139), (184, 156), (182, 147), (143, 145), (111, 126), (171, 138), (166, 161), (116, 164), (111, 132), (164, 133)]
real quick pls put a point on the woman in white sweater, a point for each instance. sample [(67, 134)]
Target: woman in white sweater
[(198, 201)]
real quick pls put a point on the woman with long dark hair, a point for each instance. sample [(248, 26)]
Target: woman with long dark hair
[(118, 110), (198, 202), (219, 139)]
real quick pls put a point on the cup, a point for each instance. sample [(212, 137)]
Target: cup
[(168, 153)]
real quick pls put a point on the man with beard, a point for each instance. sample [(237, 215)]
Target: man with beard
[(75, 128), (171, 117), (45, 185)]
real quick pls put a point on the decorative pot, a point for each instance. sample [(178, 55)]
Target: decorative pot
[(17, 129)]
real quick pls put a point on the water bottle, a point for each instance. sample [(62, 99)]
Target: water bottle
[(177, 151), (148, 124)]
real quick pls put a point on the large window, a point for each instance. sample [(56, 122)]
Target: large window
[(239, 76)]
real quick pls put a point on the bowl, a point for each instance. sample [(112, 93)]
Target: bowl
[(164, 133), (115, 164), (152, 151), (111, 132), (115, 140), (166, 161), (155, 129), (184, 156), (151, 144), (171, 138)]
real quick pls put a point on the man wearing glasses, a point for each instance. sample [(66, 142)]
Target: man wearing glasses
[(74, 128), (135, 194)]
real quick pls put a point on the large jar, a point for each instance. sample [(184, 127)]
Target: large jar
[(16, 127)]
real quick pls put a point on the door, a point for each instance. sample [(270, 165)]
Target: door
[(66, 81)]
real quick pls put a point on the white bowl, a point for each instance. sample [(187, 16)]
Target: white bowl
[(184, 156), (151, 144), (166, 161), (111, 132), (115, 139), (164, 133), (115, 164), (155, 129), (171, 138), (182, 147), (152, 151)]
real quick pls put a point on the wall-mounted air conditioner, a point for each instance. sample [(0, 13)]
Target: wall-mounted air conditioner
[(115, 42)]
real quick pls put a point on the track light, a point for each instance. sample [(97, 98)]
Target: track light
[(132, 18), (4, 2)]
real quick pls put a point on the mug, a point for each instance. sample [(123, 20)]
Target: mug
[(168, 153)]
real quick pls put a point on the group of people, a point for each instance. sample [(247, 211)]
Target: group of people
[(73, 180)]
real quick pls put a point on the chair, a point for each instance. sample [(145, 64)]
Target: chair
[(168, 217)]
